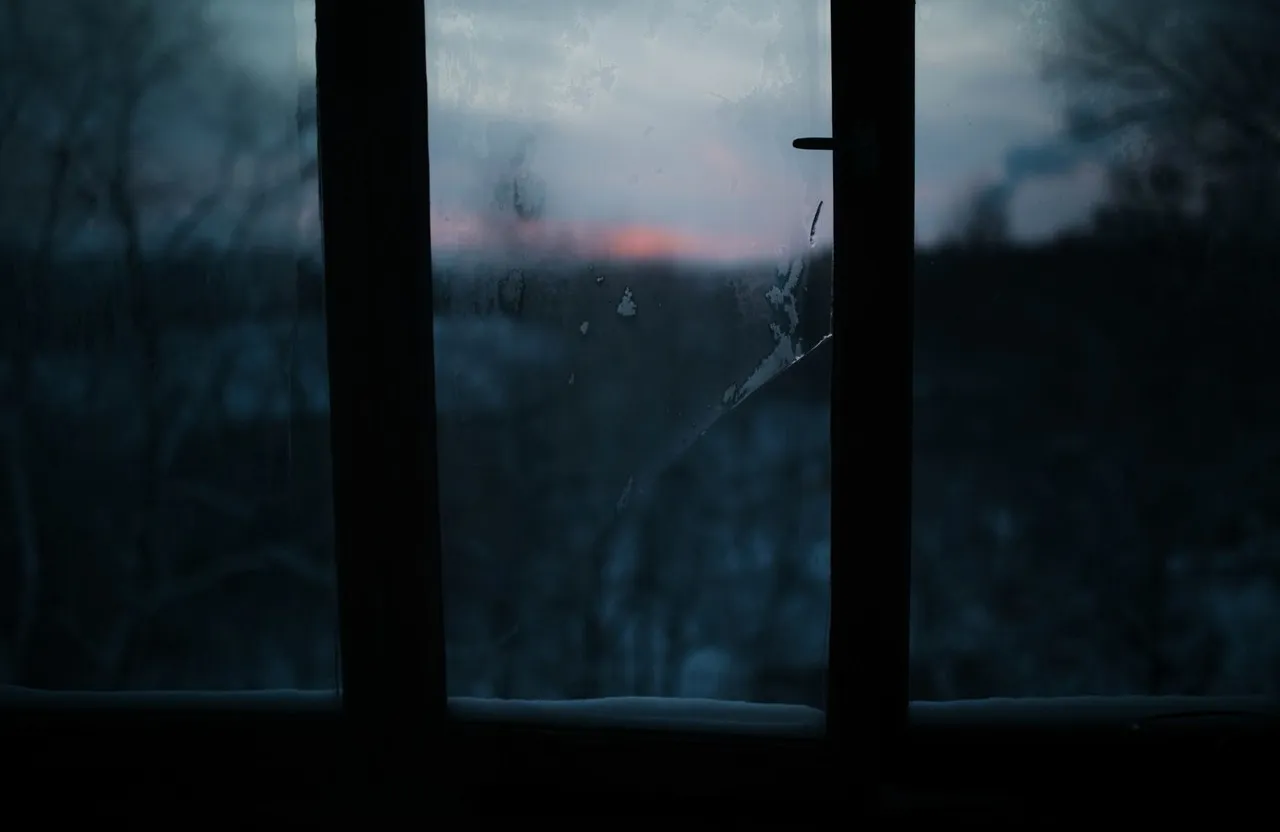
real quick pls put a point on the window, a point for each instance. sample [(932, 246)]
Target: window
[(629, 257), (631, 503), (164, 512), (395, 381), (166, 304), (1095, 394)]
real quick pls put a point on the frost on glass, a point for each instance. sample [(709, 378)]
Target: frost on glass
[(164, 471), (627, 253)]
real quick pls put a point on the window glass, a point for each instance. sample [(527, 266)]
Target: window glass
[(164, 465), (1097, 476), (627, 253)]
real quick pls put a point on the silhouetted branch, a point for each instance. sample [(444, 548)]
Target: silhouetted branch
[(1173, 68)]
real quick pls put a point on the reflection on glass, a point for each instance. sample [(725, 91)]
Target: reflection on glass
[(164, 471), (627, 254), (1097, 396)]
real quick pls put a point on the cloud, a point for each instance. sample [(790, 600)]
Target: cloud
[(675, 116), (1050, 185), (1045, 204), (1044, 187), (984, 114)]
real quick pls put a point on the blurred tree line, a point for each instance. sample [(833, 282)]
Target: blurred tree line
[(1097, 492), (140, 164)]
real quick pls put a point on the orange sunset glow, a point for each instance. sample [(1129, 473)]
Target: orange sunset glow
[(623, 241)]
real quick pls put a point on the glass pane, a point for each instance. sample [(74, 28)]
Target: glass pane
[(625, 247), (164, 495), (1096, 388)]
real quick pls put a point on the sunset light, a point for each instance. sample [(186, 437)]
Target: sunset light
[(467, 233)]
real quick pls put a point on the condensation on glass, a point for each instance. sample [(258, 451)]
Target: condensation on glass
[(164, 467), (630, 261), (1097, 399)]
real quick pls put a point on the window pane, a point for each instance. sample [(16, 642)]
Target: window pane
[(1097, 397), (164, 496), (625, 246)]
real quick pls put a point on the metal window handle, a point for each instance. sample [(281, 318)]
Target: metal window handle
[(814, 144), (863, 146)]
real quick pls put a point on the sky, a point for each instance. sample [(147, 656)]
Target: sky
[(663, 128), (985, 116)]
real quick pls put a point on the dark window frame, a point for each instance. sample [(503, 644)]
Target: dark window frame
[(393, 718)]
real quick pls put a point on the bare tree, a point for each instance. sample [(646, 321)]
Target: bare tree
[(1191, 82), (1189, 92)]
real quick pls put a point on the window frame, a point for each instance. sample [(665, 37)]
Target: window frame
[(393, 716)]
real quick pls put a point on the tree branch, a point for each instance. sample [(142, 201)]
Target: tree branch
[(1168, 87)]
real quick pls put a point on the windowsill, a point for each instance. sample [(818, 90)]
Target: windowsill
[(994, 752), (1128, 724), (1120, 713), (647, 713), (731, 749), (993, 747), (286, 701), (1132, 745), (625, 713), (1148, 715), (941, 740)]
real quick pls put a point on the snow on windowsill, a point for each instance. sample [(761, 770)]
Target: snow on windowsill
[(1129, 712), (644, 712), (616, 712), (13, 696), (1150, 714), (708, 714)]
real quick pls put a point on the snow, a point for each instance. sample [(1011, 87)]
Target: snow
[(639, 712), (649, 712), (616, 712), (14, 696), (1135, 712)]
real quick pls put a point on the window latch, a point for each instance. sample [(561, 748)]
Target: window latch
[(814, 144), (863, 145)]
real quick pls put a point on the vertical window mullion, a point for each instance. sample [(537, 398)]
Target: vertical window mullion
[(374, 180), (873, 110)]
